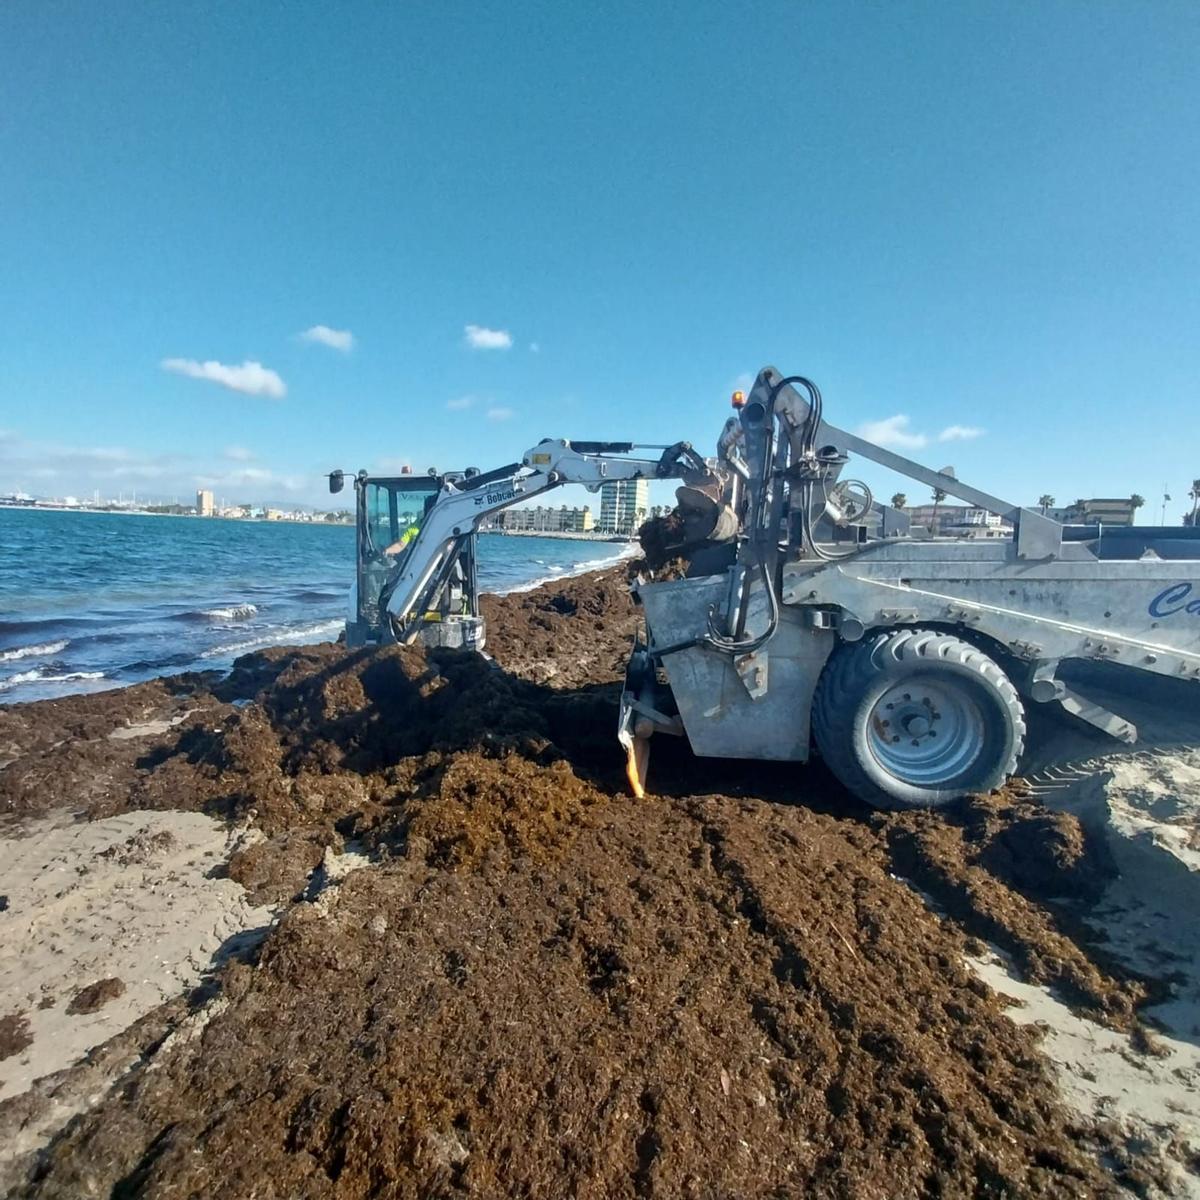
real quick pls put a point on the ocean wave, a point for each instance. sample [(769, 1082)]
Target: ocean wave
[(44, 625), (230, 612), (578, 568), (318, 597), (40, 651), (235, 612), (143, 666), (277, 637), (38, 676), (106, 639)]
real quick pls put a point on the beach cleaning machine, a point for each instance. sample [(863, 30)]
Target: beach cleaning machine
[(811, 616)]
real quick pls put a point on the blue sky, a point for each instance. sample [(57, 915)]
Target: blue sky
[(979, 215)]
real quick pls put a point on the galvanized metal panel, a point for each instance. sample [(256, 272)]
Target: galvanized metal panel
[(720, 715), (1144, 612)]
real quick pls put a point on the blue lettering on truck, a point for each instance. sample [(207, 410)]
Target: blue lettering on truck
[(1178, 598)]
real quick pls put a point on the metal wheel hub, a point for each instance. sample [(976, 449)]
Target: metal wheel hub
[(926, 732)]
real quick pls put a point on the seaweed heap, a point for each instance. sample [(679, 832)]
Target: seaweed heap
[(543, 987)]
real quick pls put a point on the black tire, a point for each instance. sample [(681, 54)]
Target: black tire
[(934, 683)]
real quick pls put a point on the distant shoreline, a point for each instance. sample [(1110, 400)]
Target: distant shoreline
[(142, 512), (613, 538)]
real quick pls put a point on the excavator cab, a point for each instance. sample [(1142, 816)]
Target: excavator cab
[(389, 514)]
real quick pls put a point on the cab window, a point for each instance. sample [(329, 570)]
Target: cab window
[(394, 515)]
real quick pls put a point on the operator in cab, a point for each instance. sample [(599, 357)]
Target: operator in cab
[(410, 522), (406, 539)]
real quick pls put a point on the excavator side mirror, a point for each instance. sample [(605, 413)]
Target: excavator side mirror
[(337, 481)]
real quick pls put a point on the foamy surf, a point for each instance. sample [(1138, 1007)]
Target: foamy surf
[(37, 676), (234, 612), (321, 632), (631, 550), (44, 650)]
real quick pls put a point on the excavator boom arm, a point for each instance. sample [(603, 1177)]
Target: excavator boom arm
[(464, 504)]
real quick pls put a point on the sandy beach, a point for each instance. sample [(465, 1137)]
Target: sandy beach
[(364, 923)]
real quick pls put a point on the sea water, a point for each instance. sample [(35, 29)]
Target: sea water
[(94, 600)]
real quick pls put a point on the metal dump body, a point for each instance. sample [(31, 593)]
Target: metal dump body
[(1143, 613), (723, 702)]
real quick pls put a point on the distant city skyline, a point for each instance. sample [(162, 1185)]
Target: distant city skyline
[(148, 496)]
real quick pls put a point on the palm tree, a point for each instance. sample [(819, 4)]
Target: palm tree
[(938, 496), (1136, 502), (1194, 495), (900, 500), (1046, 501)]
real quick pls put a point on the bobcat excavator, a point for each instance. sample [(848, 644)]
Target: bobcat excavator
[(812, 617)]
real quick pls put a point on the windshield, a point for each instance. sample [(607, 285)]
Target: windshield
[(394, 512)]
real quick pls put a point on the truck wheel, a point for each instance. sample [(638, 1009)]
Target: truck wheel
[(916, 719)]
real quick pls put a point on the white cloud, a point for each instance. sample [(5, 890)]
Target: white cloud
[(252, 378), (242, 475), (252, 477), (95, 454), (459, 403), (82, 467), (479, 337), (55, 468), (140, 471), (893, 432), (499, 413), (959, 433), (335, 339)]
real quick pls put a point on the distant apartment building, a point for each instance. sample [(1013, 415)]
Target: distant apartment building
[(547, 520), (1097, 512), (958, 520), (204, 503), (624, 504)]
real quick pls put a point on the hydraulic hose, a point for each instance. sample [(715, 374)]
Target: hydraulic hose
[(734, 646), (808, 446), (816, 406), (714, 638)]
